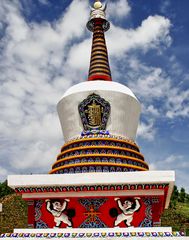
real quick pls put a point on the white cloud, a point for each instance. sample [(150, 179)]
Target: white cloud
[(79, 56), (172, 159), (164, 8), (118, 9), (151, 80), (121, 41), (182, 179), (44, 2), (146, 130), (32, 81), (173, 162), (178, 103), (152, 167), (3, 174), (151, 110), (37, 157), (153, 84)]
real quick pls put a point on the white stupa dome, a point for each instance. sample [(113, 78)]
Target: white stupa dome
[(124, 115)]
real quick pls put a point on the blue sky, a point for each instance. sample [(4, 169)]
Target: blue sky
[(45, 49)]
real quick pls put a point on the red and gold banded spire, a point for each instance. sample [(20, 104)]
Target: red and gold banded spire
[(99, 65)]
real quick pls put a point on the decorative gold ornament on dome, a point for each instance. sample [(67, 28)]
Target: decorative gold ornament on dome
[(94, 112)]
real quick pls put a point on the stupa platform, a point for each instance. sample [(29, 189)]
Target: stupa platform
[(94, 200), (148, 183)]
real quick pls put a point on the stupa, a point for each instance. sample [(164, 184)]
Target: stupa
[(100, 185)]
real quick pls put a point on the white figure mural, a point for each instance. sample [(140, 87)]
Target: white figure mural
[(56, 208), (128, 208)]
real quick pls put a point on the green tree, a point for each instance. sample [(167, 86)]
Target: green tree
[(5, 189), (175, 194), (187, 198), (174, 197), (182, 195)]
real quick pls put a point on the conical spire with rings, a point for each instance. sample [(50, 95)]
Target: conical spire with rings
[(99, 64)]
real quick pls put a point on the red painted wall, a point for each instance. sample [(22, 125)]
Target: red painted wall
[(93, 212)]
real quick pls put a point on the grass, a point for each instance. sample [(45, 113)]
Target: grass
[(177, 217), (183, 209)]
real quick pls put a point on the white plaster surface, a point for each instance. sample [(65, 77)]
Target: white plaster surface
[(130, 193), (91, 178), (124, 115), (147, 177), (94, 230), (99, 85)]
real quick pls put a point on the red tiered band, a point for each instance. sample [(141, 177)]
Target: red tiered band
[(100, 77)]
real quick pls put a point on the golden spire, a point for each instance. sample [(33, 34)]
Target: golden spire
[(99, 65)]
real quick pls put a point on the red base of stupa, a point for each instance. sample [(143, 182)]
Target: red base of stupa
[(95, 200)]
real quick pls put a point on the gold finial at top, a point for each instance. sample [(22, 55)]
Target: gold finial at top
[(98, 10), (97, 4)]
